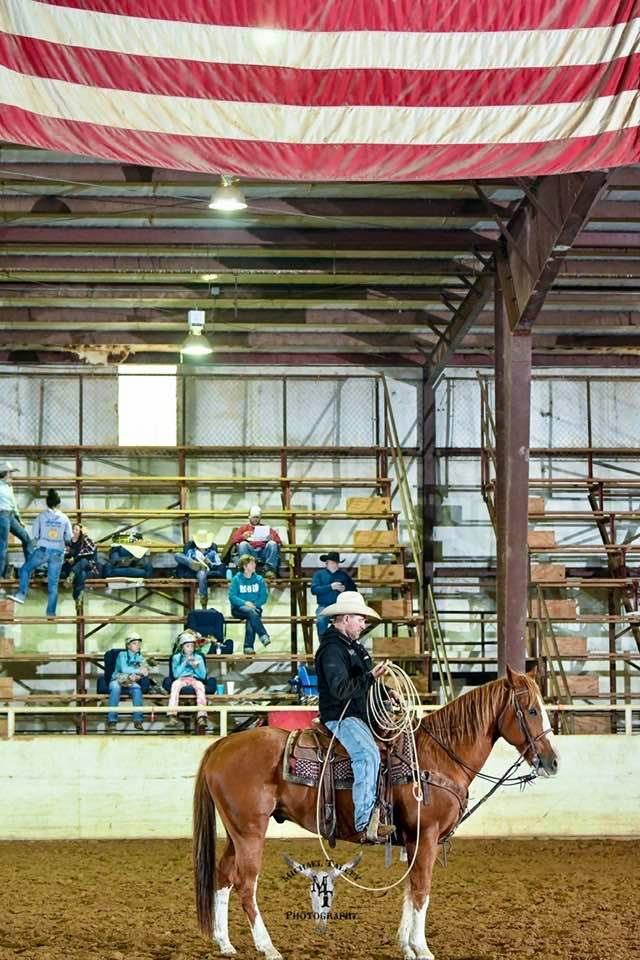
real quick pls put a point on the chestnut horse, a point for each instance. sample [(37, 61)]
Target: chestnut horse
[(241, 777)]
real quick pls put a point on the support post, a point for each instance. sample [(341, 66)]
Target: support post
[(427, 440), (513, 405)]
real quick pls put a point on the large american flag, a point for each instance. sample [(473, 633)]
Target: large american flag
[(314, 89)]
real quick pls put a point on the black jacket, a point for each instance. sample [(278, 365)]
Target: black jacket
[(343, 668)]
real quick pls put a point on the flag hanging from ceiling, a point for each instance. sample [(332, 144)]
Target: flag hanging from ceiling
[(344, 90)]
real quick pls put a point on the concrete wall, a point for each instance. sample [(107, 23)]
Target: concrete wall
[(95, 787)]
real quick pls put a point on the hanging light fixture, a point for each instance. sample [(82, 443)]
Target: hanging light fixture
[(196, 344), (228, 195)]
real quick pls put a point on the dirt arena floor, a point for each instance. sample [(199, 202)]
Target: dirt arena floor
[(501, 899)]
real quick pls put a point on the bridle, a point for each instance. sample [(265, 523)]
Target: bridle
[(530, 741), (529, 744), (507, 779)]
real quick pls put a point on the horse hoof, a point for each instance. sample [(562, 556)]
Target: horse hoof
[(228, 952)]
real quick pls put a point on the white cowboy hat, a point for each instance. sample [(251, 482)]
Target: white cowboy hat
[(255, 511), (187, 637), (350, 601), (203, 538), (131, 637), (7, 467)]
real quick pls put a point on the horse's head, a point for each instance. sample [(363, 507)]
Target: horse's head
[(524, 723)]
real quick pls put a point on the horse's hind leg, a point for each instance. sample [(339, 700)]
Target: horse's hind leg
[(225, 879), (248, 862)]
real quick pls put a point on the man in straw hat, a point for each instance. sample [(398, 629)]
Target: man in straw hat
[(345, 673), (10, 521), (201, 559)]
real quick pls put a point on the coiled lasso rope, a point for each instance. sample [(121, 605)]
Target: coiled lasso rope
[(405, 718)]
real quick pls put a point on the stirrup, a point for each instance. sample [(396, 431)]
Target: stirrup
[(377, 832)]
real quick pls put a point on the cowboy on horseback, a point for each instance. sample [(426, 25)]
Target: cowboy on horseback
[(345, 674)]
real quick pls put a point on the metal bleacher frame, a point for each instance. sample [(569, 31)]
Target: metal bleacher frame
[(74, 478)]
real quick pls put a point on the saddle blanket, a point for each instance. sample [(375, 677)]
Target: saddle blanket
[(306, 749)]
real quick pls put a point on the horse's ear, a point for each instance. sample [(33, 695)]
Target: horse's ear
[(533, 673), (511, 676)]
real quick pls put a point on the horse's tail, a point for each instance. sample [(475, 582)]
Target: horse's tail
[(204, 850)]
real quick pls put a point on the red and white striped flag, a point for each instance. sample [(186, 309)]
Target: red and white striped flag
[(346, 90)]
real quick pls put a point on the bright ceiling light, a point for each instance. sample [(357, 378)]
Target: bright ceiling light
[(196, 344), (228, 196)]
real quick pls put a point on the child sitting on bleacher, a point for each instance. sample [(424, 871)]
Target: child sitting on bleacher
[(130, 666), (189, 669)]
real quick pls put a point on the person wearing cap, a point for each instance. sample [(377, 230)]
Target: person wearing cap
[(189, 669), (248, 594), (51, 531), (201, 559), (345, 673), (255, 539), (10, 521), (130, 667), (327, 585)]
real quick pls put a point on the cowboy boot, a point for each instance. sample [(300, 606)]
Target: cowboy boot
[(377, 832)]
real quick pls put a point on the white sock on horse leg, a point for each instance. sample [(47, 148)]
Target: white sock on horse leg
[(406, 923), (260, 933), (418, 939), (221, 921)]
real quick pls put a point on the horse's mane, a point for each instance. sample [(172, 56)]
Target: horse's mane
[(468, 715)]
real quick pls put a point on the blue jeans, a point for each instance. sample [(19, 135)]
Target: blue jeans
[(81, 571), (185, 572), (253, 627), (269, 554), (357, 739), (9, 524), (115, 690), (53, 560), (322, 623)]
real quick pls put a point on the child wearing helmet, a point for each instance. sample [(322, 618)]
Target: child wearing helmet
[(189, 669)]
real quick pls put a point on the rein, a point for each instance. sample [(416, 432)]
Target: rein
[(506, 780)]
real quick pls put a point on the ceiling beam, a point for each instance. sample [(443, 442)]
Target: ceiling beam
[(463, 319), (539, 236), (160, 207), (216, 239)]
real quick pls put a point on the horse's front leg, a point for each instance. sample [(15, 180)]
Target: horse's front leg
[(412, 930)]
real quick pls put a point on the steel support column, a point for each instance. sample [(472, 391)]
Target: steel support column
[(427, 473), (513, 403)]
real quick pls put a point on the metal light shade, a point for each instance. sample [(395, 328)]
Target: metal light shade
[(196, 345), (228, 196)]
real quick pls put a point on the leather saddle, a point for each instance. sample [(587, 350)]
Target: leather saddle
[(304, 761)]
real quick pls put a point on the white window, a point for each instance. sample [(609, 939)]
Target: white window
[(147, 406)]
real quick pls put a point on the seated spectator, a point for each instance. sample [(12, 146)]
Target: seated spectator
[(200, 559), (247, 595), (327, 584), (129, 559), (130, 667), (189, 670), (10, 521), (81, 560), (51, 531), (255, 539)]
